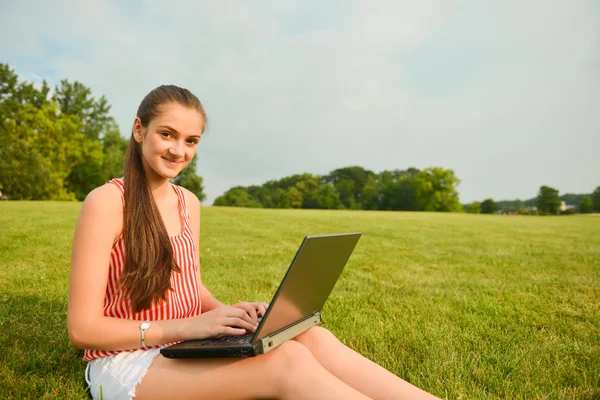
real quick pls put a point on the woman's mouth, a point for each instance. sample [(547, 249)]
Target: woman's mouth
[(173, 163)]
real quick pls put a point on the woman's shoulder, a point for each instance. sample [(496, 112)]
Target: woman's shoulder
[(105, 198), (102, 211), (191, 199)]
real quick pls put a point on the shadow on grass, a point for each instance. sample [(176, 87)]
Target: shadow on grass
[(37, 359)]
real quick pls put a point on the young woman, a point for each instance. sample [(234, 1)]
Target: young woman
[(135, 287)]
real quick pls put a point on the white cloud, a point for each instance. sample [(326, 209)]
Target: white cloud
[(308, 88)]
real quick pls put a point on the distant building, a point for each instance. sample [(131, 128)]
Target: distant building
[(564, 206)]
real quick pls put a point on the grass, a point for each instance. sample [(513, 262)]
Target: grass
[(464, 306)]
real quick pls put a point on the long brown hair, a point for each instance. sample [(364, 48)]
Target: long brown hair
[(149, 258)]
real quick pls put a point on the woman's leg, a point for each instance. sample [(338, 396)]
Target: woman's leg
[(356, 370), (287, 372)]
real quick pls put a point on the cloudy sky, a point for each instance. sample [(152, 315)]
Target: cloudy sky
[(506, 93)]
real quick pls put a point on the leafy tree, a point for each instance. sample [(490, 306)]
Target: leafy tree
[(349, 182), (397, 189), (236, 197), (369, 194), (76, 99), (281, 198), (475, 208), (14, 94), (596, 199), (191, 181), (345, 187), (586, 206), (114, 147), (328, 197), (548, 201), (436, 190), (401, 195), (37, 151), (488, 206)]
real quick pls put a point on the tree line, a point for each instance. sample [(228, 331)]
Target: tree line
[(60, 145), (355, 188), (547, 202)]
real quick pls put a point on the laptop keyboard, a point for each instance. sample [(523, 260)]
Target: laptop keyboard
[(243, 339)]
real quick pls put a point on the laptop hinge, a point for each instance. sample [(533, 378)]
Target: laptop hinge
[(274, 340)]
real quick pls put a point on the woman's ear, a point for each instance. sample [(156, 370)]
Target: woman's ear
[(138, 130)]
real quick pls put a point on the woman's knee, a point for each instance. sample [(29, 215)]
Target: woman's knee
[(290, 354), (291, 364), (316, 338)]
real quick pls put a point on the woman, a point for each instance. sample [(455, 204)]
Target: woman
[(135, 286)]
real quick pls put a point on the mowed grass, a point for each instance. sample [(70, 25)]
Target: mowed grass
[(464, 306)]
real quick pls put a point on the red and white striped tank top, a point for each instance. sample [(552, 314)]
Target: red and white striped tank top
[(181, 302)]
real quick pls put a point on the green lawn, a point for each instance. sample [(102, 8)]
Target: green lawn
[(464, 306)]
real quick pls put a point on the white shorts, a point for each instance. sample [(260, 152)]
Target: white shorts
[(118, 375)]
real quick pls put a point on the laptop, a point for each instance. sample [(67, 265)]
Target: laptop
[(296, 306)]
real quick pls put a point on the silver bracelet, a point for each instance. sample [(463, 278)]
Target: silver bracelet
[(144, 326)]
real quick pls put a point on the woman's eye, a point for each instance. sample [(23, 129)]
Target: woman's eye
[(166, 134), (193, 141)]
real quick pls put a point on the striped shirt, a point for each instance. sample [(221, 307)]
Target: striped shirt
[(181, 302)]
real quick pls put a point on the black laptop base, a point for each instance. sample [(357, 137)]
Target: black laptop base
[(206, 348)]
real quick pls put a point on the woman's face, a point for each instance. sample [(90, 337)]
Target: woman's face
[(171, 139)]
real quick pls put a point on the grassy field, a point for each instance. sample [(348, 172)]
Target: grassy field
[(464, 306)]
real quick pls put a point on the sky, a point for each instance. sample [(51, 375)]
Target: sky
[(505, 93)]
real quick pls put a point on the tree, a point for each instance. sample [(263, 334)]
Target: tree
[(488, 206), (369, 194), (596, 199), (190, 180), (548, 201), (586, 206), (436, 190), (76, 99), (114, 147), (236, 197), (328, 197), (349, 182), (345, 187), (397, 189), (38, 149), (475, 208)]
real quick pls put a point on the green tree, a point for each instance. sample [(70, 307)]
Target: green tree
[(548, 201), (14, 94), (370, 200), (281, 198), (586, 206), (436, 190), (328, 197), (397, 189), (596, 199), (114, 147), (295, 197), (236, 197), (76, 99), (350, 193), (38, 149), (190, 180), (345, 187), (475, 208), (488, 206)]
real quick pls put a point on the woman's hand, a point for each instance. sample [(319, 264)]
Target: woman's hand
[(228, 320), (254, 310)]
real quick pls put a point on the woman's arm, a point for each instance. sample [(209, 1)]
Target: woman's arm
[(99, 225)]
